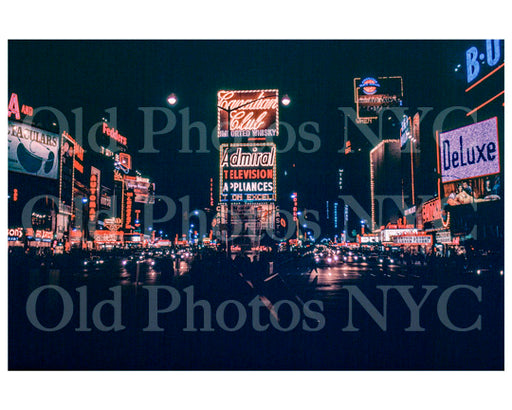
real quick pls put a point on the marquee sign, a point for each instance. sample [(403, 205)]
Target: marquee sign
[(254, 113), (248, 172), (469, 152), (419, 239)]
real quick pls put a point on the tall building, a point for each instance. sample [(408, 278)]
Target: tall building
[(385, 183)]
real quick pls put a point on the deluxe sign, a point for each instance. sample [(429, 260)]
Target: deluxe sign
[(469, 152), (248, 172), (253, 113)]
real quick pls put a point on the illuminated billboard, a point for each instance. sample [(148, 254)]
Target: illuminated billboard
[(67, 173), (372, 94), (248, 172), (254, 114), (33, 151), (143, 189), (469, 152)]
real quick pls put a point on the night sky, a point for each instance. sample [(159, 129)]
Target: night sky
[(317, 75)]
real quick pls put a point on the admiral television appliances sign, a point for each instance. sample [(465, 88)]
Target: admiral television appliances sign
[(248, 172), (469, 152)]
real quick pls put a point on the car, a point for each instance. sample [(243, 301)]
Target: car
[(94, 262)]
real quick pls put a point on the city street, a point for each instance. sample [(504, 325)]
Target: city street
[(237, 210), (333, 346)]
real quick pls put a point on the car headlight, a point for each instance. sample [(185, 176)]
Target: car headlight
[(478, 272), (380, 261), (391, 261), (329, 260), (85, 263)]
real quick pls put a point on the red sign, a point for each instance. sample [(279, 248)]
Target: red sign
[(247, 172), (253, 113), (431, 210), (114, 134), (128, 210), (14, 108)]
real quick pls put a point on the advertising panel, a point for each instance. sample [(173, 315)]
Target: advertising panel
[(142, 188), (254, 113), (469, 152), (128, 209), (94, 192), (67, 173), (372, 94), (248, 172), (405, 130), (433, 216), (33, 151), (418, 239)]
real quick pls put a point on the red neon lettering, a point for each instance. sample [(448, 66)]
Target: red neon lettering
[(13, 107)]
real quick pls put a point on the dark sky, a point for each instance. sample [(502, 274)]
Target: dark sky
[(317, 75)]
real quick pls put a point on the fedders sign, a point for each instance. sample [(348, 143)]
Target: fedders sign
[(469, 152)]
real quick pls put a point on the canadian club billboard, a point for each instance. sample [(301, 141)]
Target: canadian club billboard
[(254, 114), (248, 172)]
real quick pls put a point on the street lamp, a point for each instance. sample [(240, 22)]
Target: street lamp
[(285, 101), (172, 99)]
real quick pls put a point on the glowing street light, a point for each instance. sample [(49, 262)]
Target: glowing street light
[(172, 99), (285, 100)]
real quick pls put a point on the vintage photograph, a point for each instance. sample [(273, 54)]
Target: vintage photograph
[(256, 204)]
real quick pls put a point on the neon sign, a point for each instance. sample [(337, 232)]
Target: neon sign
[(128, 210), (369, 85), (14, 108), (372, 95), (114, 134), (253, 113), (248, 172), (475, 59), (14, 234)]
